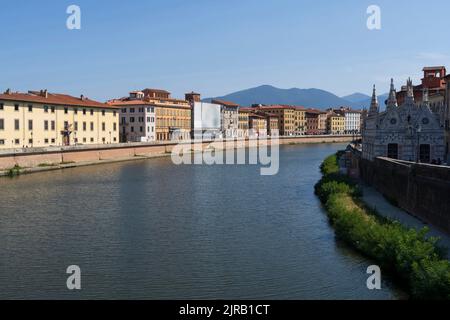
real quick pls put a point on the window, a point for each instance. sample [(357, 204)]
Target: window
[(16, 107), (141, 129), (124, 110), (16, 141), (16, 124), (84, 126), (2, 124), (53, 140), (66, 125), (84, 111), (75, 111), (92, 112), (46, 109), (46, 125), (92, 139), (2, 142), (392, 151), (30, 124), (132, 119), (103, 112), (52, 108), (46, 141), (132, 110), (30, 108), (103, 126), (2, 106), (115, 139), (92, 126), (115, 126), (84, 140), (123, 120), (53, 126), (114, 113), (66, 110), (75, 125), (132, 129), (103, 140), (30, 141)]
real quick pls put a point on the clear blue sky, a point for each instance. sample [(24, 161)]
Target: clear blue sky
[(218, 46)]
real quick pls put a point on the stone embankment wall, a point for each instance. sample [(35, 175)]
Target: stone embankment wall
[(420, 189), (29, 158)]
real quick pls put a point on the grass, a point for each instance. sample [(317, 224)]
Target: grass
[(415, 258), (44, 165), (14, 171)]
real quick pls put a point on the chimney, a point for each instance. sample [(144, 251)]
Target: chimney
[(8, 91), (193, 97), (82, 98), (45, 93)]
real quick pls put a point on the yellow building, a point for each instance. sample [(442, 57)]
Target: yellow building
[(300, 126), (335, 123), (286, 118), (42, 119), (244, 122), (258, 124)]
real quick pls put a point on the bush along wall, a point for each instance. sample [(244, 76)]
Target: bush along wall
[(412, 256)]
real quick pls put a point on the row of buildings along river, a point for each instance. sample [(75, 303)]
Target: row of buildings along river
[(42, 119)]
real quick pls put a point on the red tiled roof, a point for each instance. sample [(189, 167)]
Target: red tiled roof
[(53, 98), (225, 103)]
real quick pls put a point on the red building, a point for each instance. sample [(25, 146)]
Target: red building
[(433, 80)]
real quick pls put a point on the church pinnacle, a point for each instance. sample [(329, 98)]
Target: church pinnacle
[(374, 106), (410, 92), (392, 100)]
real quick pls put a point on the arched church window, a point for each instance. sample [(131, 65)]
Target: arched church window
[(425, 121), (393, 121)]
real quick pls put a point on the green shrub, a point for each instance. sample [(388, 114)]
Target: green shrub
[(416, 259)]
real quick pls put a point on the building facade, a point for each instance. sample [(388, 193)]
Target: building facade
[(258, 124), (300, 126), (447, 119), (43, 119), (286, 118), (244, 122), (229, 118), (137, 118), (352, 120), (152, 115), (316, 122), (410, 132), (335, 123)]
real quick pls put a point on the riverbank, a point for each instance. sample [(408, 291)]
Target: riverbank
[(25, 161), (408, 253)]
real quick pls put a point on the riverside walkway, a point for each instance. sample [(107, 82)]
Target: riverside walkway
[(376, 200)]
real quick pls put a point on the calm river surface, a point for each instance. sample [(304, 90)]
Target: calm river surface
[(153, 230)]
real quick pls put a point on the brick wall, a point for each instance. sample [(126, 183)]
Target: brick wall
[(422, 190)]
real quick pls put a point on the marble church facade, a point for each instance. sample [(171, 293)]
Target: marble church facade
[(410, 132)]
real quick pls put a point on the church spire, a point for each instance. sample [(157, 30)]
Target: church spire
[(392, 100), (374, 104), (410, 92)]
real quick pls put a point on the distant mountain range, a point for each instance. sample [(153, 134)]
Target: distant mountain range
[(314, 98)]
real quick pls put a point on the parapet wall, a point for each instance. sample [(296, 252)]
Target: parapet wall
[(29, 158), (420, 189)]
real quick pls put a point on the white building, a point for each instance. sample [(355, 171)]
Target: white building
[(229, 118), (137, 118), (352, 120), (410, 132), (206, 119)]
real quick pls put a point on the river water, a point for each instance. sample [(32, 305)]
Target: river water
[(152, 230)]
